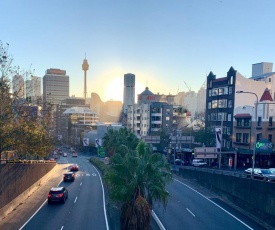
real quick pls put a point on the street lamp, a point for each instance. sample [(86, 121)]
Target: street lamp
[(255, 135)]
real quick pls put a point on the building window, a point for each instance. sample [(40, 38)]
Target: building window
[(209, 93), (246, 122), (245, 137), (238, 137), (270, 137), (270, 121), (259, 122), (221, 116), (239, 122), (259, 137), (213, 116), (222, 103), (229, 117), (214, 104), (215, 92), (228, 130), (269, 79), (167, 118), (209, 105), (230, 90), (229, 103), (209, 117)]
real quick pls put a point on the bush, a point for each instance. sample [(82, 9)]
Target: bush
[(99, 164)]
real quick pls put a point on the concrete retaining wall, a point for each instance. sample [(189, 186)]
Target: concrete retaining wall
[(18, 181), (254, 196)]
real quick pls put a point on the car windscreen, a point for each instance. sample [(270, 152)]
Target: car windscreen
[(55, 192)]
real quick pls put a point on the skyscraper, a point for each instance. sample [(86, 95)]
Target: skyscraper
[(129, 91), (33, 88), (18, 86), (55, 86)]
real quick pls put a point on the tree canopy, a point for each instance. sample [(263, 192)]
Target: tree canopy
[(136, 177)]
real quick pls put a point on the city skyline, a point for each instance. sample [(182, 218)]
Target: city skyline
[(164, 44)]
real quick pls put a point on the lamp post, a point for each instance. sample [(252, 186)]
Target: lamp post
[(255, 134)]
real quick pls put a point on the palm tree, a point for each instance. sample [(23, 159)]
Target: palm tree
[(136, 178), (113, 139)]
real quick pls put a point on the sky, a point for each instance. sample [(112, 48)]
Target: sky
[(170, 46)]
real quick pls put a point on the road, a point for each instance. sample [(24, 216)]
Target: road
[(83, 209), (191, 207)]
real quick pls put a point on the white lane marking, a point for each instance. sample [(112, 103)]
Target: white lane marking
[(103, 193), (94, 174), (37, 210), (61, 227), (77, 175), (75, 200), (80, 183), (190, 212), (214, 204), (82, 174), (87, 174), (157, 220)]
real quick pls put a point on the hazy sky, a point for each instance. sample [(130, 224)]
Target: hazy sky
[(164, 43)]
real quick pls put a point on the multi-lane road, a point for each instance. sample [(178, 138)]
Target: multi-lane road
[(84, 208), (189, 206)]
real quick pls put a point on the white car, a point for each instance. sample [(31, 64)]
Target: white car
[(65, 154), (198, 163)]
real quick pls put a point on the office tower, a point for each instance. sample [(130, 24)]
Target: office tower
[(33, 88), (55, 86), (261, 68), (85, 67), (18, 86), (129, 91)]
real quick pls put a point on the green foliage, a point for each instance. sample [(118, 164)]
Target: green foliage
[(114, 139), (99, 164), (136, 178), (19, 131)]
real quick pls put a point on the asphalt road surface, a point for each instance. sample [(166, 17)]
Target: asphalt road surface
[(191, 207), (84, 208)]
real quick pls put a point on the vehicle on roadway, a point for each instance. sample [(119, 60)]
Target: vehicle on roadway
[(69, 176), (261, 174), (74, 154), (65, 154), (57, 194), (74, 167), (179, 162), (198, 163)]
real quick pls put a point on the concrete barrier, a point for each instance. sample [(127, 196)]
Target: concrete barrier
[(254, 196), (18, 182)]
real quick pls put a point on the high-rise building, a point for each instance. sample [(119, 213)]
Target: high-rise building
[(55, 86), (18, 86), (33, 88), (129, 91), (261, 68)]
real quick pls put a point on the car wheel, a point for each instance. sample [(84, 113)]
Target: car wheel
[(49, 202), (64, 199)]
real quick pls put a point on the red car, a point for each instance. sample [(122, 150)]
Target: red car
[(74, 167)]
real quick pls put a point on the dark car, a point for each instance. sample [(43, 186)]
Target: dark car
[(74, 167), (57, 194), (68, 176), (261, 174), (179, 162)]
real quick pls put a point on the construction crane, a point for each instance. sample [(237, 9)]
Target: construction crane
[(187, 86)]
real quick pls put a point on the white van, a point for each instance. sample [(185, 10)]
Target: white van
[(198, 163)]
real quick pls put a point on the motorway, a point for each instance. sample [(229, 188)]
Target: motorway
[(191, 207), (84, 208)]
